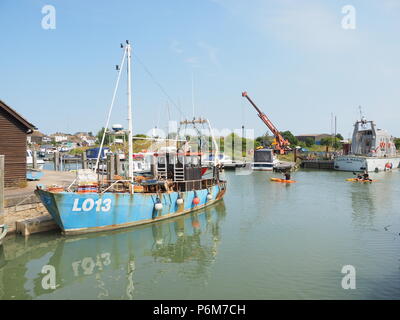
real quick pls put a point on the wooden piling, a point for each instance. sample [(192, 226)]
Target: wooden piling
[(34, 159), (56, 160), (1, 189), (110, 166), (117, 165)]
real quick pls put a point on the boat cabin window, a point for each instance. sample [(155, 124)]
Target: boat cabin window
[(263, 156)]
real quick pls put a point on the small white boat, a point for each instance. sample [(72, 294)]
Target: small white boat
[(264, 160), (225, 160), (372, 149), (29, 161)]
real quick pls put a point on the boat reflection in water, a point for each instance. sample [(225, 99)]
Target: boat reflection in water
[(112, 265)]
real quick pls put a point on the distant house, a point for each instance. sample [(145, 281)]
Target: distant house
[(315, 137), (13, 132), (36, 137), (46, 139), (60, 137)]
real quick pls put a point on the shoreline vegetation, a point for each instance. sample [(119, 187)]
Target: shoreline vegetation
[(226, 144)]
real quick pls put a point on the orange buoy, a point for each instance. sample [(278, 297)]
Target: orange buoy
[(196, 224), (196, 200)]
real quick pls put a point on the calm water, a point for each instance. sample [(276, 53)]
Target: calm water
[(265, 241)]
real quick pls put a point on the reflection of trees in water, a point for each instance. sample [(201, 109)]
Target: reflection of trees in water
[(363, 204), (189, 242), (130, 288)]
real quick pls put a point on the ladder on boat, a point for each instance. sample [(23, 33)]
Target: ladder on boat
[(162, 171), (179, 170), (179, 173)]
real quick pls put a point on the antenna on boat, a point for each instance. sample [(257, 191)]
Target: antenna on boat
[(193, 93)]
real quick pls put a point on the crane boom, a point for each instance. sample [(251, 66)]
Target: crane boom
[(281, 143)]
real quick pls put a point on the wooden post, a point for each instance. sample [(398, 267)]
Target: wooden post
[(61, 161), (34, 159), (2, 189), (117, 165), (110, 166), (295, 155), (84, 161), (56, 160)]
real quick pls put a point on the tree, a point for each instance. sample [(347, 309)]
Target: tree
[(265, 140), (329, 141), (140, 135), (397, 143), (309, 142), (290, 137), (339, 136), (99, 137)]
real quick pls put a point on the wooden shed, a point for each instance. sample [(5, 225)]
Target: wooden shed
[(13, 135)]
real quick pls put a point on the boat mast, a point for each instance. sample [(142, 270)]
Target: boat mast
[(130, 142)]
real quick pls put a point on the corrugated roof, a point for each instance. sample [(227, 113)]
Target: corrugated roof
[(17, 116)]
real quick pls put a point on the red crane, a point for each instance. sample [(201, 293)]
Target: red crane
[(281, 144)]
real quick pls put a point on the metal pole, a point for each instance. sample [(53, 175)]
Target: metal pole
[(335, 131), (130, 142), (233, 146), (243, 137), (1, 189)]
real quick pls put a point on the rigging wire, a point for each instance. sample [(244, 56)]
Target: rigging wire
[(158, 84), (110, 110)]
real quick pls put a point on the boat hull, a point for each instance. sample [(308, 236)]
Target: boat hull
[(262, 166), (360, 163), (77, 213)]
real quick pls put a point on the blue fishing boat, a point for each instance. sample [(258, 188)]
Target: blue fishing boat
[(176, 186)]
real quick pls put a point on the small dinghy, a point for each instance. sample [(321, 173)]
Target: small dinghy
[(360, 180), (34, 175), (282, 180)]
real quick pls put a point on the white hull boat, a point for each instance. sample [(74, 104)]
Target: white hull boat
[(372, 149), (264, 160)]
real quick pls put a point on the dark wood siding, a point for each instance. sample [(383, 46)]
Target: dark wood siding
[(13, 147)]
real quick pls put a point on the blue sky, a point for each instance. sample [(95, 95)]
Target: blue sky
[(293, 57)]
